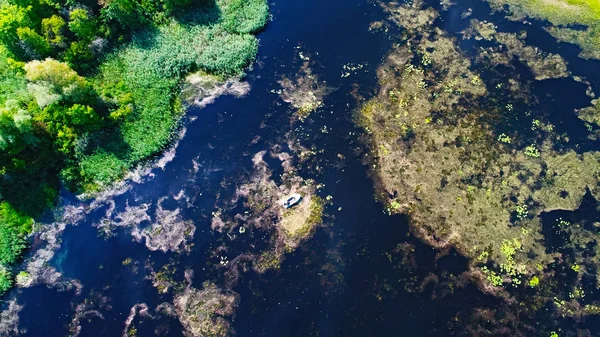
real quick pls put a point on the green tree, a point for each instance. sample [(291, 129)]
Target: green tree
[(11, 18), (6, 280), (82, 24), (123, 12), (83, 116), (14, 228), (53, 30), (34, 45), (63, 97), (59, 79), (15, 129), (67, 124), (79, 55)]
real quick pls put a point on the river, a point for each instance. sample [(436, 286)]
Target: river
[(342, 281)]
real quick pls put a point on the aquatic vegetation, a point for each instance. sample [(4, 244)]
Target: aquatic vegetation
[(258, 209), (169, 232), (90, 308), (206, 312), (201, 88), (534, 282), (9, 319), (522, 212), (461, 183), (264, 198), (543, 65), (504, 139), (591, 114), (299, 221), (162, 280), (269, 260), (305, 92), (480, 30), (562, 14)]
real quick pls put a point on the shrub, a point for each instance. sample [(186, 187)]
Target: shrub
[(101, 168), (6, 279), (14, 227), (244, 16)]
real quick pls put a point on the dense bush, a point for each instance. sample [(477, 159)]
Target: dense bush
[(6, 279), (14, 228), (244, 16)]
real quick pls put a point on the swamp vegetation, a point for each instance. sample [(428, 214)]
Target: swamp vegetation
[(447, 149), (446, 153)]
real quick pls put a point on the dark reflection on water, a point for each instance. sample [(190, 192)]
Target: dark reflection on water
[(350, 279)]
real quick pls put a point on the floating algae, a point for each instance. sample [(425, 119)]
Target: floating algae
[(169, 232), (437, 157), (305, 91), (206, 312), (202, 89), (9, 319), (542, 65)]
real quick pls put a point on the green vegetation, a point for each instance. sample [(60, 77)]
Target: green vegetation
[(534, 282), (15, 227), (6, 279), (562, 14), (89, 89)]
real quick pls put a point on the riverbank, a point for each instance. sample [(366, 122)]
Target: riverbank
[(89, 128)]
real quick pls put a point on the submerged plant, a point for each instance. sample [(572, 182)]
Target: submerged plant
[(534, 282), (532, 151), (504, 139), (522, 212)]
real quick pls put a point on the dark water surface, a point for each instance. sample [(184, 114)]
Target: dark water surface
[(342, 282)]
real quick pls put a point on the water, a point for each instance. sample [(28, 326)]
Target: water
[(342, 282)]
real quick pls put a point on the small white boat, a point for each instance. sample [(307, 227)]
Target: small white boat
[(292, 200)]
